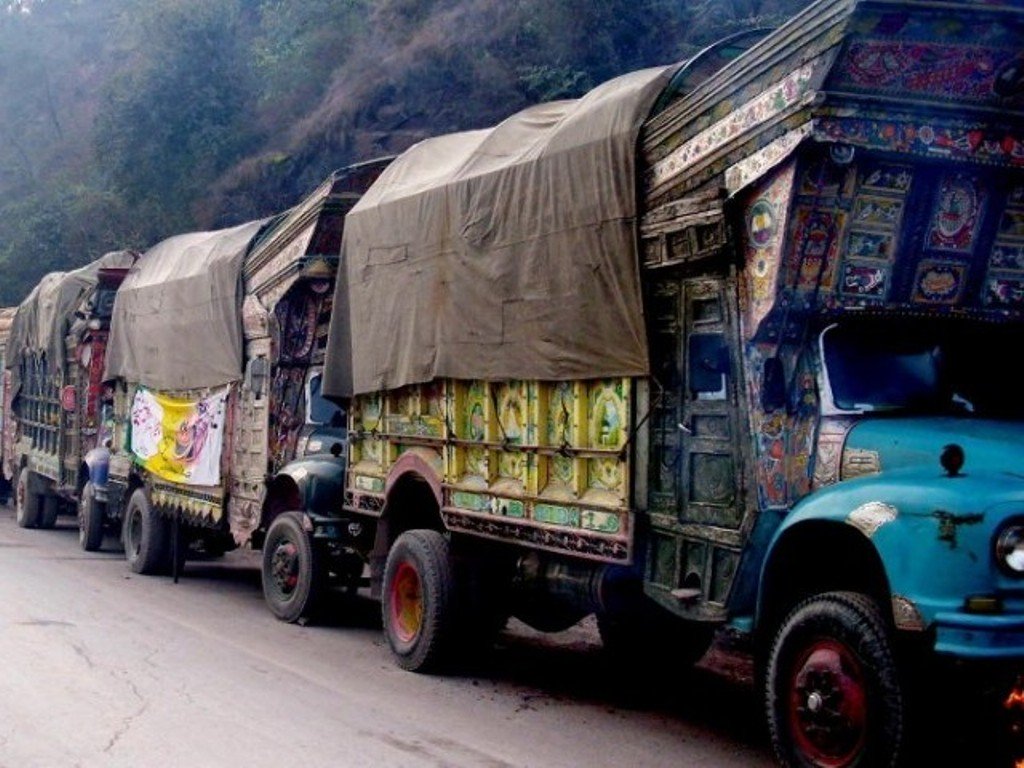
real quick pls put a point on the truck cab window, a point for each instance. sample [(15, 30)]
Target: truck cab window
[(322, 411), (930, 368)]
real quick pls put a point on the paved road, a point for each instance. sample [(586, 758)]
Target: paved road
[(104, 668)]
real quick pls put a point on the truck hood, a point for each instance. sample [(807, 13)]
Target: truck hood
[(885, 444)]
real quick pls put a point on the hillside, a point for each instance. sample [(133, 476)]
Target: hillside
[(124, 121)]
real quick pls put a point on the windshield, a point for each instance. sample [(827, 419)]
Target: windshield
[(934, 367), (322, 411)]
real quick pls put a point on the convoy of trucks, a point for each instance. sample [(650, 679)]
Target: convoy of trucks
[(762, 389), (716, 348)]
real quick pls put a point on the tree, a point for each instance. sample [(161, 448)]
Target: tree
[(180, 109)]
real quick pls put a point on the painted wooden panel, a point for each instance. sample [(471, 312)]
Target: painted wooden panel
[(543, 457)]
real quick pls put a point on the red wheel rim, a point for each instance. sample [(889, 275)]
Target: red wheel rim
[(406, 603), (284, 567), (828, 707)]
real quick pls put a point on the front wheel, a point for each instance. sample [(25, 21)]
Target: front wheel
[(27, 504), (293, 571), (419, 600), (90, 519), (146, 536), (832, 692)]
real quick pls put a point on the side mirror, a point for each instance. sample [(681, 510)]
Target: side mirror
[(773, 385)]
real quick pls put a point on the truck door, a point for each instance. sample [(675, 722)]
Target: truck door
[(696, 499)]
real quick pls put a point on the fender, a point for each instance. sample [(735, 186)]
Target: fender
[(315, 484), (97, 462), (421, 463), (932, 533)]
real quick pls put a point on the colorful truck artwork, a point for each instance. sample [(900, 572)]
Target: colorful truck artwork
[(221, 387), (54, 369), (6, 318), (709, 348)]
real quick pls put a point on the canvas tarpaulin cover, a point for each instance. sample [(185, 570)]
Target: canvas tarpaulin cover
[(501, 253), (44, 318), (177, 320)]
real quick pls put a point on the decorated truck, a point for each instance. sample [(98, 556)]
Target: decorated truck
[(54, 367), (718, 346), (6, 317), (214, 363)]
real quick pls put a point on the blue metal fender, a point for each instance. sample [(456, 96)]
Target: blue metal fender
[(934, 535)]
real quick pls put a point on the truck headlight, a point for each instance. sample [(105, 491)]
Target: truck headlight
[(1010, 549)]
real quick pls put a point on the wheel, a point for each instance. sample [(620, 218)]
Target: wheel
[(90, 519), (146, 536), (293, 570), (832, 692), (27, 507), (49, 510), (419, 609)]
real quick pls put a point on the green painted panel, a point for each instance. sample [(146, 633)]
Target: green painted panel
[(550, 513), (510, 508), (603, 522), (475, 501)]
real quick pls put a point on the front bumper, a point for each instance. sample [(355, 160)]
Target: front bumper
[(975, 636)]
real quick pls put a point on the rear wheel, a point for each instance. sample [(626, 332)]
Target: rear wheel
[(146, 536), (90, 519), (419, 610), (28, 508), (293, 571), (832, 692)]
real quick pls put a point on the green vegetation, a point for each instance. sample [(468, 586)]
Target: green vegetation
[(125, 121)]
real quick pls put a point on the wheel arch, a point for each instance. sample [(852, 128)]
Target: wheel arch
[(412, 499), (817, 556), (283, 494)]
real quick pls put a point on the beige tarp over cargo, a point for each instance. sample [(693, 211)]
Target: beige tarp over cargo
[(44, 318), (177, 320), (500, 253)]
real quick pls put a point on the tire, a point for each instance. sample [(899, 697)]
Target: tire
[(49, 510), (27, 504), (146, 535), (293, 570), (419, 606), (832, 692), (90, 519)]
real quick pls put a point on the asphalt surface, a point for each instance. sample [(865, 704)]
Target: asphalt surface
[(105, 668)]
